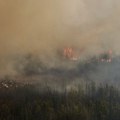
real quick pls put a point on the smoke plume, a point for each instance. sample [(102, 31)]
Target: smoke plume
[(41, 27)]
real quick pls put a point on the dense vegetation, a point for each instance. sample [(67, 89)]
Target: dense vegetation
[(30, 103)]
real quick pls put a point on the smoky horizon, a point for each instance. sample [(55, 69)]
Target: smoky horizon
[(45, 28)]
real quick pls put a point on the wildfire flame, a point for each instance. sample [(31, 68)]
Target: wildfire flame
[(70, 54), (108, 58)]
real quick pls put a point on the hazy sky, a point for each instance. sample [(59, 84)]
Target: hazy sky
[(42, 26)]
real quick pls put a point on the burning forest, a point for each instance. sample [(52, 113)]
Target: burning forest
[(59, 60)]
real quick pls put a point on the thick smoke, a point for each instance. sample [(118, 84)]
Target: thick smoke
[(41, 27)]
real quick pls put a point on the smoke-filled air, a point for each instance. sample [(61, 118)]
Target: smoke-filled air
[(59, 59), (40, 27), (53, 38)]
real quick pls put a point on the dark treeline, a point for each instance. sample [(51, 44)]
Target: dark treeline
[(29, 103)]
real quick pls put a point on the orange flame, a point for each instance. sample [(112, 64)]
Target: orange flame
[(68, 52)]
